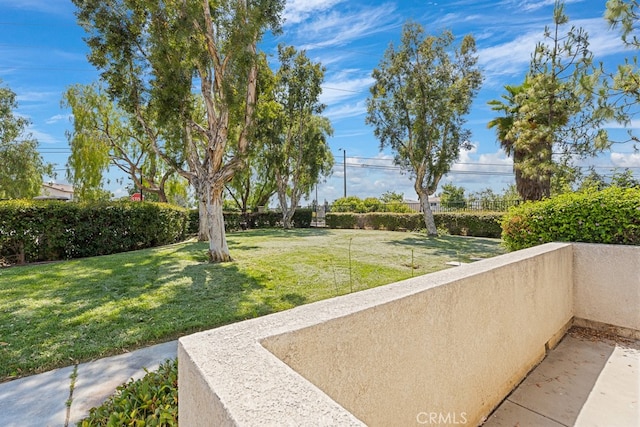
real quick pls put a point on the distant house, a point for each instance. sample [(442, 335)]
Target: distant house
[(54, 191), (434, 202)]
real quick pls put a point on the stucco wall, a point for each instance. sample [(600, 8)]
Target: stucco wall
[(607, 285), (452, 343), (456, 347)]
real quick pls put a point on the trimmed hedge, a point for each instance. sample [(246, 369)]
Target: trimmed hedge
[(609, 216), (478, 224), (33, 231), (235, 221)]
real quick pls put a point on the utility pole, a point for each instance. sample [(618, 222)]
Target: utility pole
[(344, 163)]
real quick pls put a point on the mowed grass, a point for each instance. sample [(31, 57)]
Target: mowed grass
[(58, 314)]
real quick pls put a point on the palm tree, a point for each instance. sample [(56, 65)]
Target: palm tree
[(530, 186)]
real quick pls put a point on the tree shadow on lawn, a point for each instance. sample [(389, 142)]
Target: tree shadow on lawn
[(105, 310), (455, 246), (281, 232)]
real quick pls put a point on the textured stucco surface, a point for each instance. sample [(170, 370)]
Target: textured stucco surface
[(453, 342), (607, 284)]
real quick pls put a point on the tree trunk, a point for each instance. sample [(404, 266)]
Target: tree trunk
[(282, 199), (218, 249), (203, 229), (287, 216), (430, 223)]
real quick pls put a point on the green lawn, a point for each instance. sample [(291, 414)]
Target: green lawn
[(57, 314)]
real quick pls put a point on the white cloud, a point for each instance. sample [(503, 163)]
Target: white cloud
[(634, 124), (510, 58), (35, 96), (43, 137), (339, 28), (297, 11), (346, 111), (513, 57), (478, 172), (58, 118), (626, 160), (602, 41), (341, 87)]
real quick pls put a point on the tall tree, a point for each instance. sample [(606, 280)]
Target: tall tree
[(555, 115), (298, 148), (104, 135), (422, 91), (624, 84), (256, 184), (529, 187), (155, 54), (22, 166)]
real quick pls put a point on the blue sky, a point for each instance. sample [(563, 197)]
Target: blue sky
[(42, 53)]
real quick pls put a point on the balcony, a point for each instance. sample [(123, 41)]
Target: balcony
[(442, 349)]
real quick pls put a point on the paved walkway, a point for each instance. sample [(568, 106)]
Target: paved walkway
[(41, 400), (584, 381)]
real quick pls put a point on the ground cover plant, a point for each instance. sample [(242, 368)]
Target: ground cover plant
[(58, 314)]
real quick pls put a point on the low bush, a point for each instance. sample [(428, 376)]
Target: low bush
[(608, 216), (478, 224), (149, 401), (345, 220), (53, 230)]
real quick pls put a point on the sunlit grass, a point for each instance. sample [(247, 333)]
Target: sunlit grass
[(56, 314)]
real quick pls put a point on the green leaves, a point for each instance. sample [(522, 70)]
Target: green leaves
[(422, 90), (554, 111), (608, 216), (296, 145), (150, 401), (22, 166)]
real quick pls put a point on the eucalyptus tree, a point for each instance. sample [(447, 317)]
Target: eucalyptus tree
[(22, 165), (158, 57), (254, 185), (104, 135), (422, 91), (297, 146), (556, 115)]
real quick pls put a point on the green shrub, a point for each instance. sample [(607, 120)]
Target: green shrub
[(393, 221), (302, 218), (52, 230), (193, 224), (149, 401), (341, 220), (397, 207), (478, 224), (608, 216), (348, 204), (370, 204)]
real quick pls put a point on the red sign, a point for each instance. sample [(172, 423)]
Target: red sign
[(136, 197)]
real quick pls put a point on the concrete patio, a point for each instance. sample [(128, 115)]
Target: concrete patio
[(587, 380)]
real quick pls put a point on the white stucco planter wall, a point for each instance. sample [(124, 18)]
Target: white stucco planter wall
[(453, 343)]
